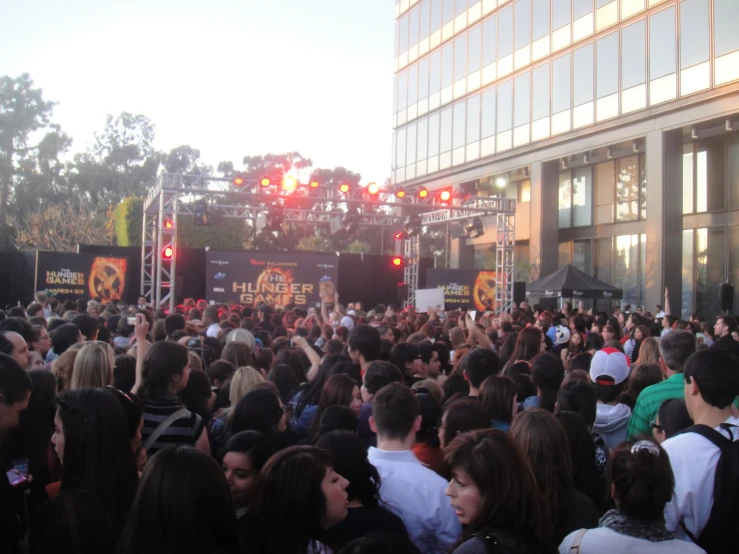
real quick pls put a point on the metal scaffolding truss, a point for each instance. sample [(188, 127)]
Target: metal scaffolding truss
[(504, 210)]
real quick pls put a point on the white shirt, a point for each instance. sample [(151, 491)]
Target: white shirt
[(213, 330), (417, 495), (347, 322), (694, 459), (608, 541)]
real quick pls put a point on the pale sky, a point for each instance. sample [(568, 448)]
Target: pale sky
[(230, 77)]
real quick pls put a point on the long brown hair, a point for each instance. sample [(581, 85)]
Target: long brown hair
[(336, 392), (544, 443), (528, 345), (497, 394), (649, 350), (511, 500)]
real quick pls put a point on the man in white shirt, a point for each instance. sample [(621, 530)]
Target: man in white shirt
[(410, 489), (210, 318), (711, 386)]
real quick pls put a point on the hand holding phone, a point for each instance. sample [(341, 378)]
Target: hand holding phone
[(15, 477)]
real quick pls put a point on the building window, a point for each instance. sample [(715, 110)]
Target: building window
[(607, 77), (704, 176), (561, 12), (413, 27), (524, 191), (633, 58), (581, 8), (402, 90), (403, 35), (473, 56), (541, 18), (460, 57), (435, 15), (704, 268), (583, 59), (459, 124), (423, 134), (447, 11), (564, 253), (411, 145), (435, 71), (489, 45), (620, 261), (505, 32), (604, 191), (423, 78), (488, 113), (662, 44), (523, 23), (412, 84), (694, 40), (446, 130), (582, 255), (522, 105), (628, 188), (447, 65), (505, 106), (575, 198), (434, 135), (561, 84), (425, 18), (473, 119), (541, 92), (725, 36), (734, 263)]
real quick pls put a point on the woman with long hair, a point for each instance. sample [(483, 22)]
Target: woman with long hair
[(93, 366), (165, 373), (244, 380), (182, 505), (244, 455), (502, 508), (427, 447), (238, 353), (298, 497), (366, 512), (262, 410), (462, 416), (648, 351), (529, 343), (99, 477), (640, 334), (544, 444), (642, 376), (498, 395), (304, 403), (339, 390)]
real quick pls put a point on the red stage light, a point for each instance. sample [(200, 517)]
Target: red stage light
[(399, 235), (445, 195), (314, 184), (423, 193), (169, 224), (289, 183), (265, 182), (168, 253), (397, 261), (238, 181), (344, 188), (400, 194), (373, 189)]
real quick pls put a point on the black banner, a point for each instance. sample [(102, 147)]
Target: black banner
[(254, 278), (472, 289), (74, 276)]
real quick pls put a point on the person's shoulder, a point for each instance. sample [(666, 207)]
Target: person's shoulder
[(473, 545)]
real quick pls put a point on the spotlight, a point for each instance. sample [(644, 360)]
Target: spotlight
[(445, 195), (238, 181), (412, 225), (397, 261), (289, 183), (344, 188), (399, 235), (169, 224), (265, 182), (475, 229), (373, 189), (501, 182), (168, 253), (314, 184), (400, 194), (423, 193)]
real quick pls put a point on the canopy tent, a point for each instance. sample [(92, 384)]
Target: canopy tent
[(570, 282)]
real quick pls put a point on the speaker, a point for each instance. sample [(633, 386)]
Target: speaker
[(726, 297), (519, 292), (402, 292)]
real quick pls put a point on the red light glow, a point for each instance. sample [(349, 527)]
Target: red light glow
[(373, 189), (423, 193), (265, 182), (168, 253), (397, 261), (445, 196), (344, 188)]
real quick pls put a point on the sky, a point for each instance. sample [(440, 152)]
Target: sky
[(229, 77)]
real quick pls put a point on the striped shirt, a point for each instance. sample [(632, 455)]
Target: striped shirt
[(648, 403), (157, 408)]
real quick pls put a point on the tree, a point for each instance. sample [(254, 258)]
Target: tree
[(313, 243), (185, 159), (23, 112), (256, 167)]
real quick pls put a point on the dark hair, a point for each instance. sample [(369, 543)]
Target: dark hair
[(264, 359), (462, 416), (346, 367), (21, 326), (430, 416), (88, 325), (254, 444), (581, 361), (63, 337), (336, 392), (15, 383), (337, 418), (334, 346), (544, 444), (312, 390), (525, 387), (673, 416), (381, 542), (497, 394), (528, 345), (133, 409), (547, 372), (643, 375), (455, 384), (163, 361), (402, 354), (593, 342), (676, 347), (716, 372), (579, 397), (643, 481), (238, 353), (259, 410), (380, 374), (221, 370), (480, 364), (183, 504), (350, 461), (284, 377), (124, 372), (729, 322), (292, 357), (197, 393), (395, 409), (98, 457), (509, 495), (288, 502), (174, 323), (366, 340)]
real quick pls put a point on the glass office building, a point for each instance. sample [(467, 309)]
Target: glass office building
[(615, 123)]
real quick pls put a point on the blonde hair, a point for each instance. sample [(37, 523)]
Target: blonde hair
[(196, 364), (93, 367), (244, 380), (649, 350), (63, 367)]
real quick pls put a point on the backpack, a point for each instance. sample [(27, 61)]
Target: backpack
[(721, 534)]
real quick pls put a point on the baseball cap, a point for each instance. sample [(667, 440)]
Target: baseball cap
[(609, 362)]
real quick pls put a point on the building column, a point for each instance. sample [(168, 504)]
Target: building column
[(544, 239), (461, 254), (664, 225)]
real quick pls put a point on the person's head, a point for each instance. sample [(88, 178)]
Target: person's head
[(395, 413), (264, 359), (340, 390), (641, 479), (498, 395), (578, 397), (430, 415), (41, 341), (174, 324), (407, 358), (15, 392), (93, 366), (672, 418), (259, 410), (711, 380), (641, 332), (431, 366), (725, 325), (480, 364), (219, 372), (210, 315), (378, 375), (166, 367), (529, 343), (88, 325), (609, 371), (293, 358), (284, 377), (649, 350), (506, 498), (547, 373), (14, 345), (93, 442), (238, 353), (455, 386), (462, 416), (643, 375), (432, 387), (364, 344), (244, 380), (182, 504), (349, 453), (242, 459), (675, 348), (337, 418), (544, 444), (298, 496)]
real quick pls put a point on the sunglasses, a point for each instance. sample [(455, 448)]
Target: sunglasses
[(655, 425)]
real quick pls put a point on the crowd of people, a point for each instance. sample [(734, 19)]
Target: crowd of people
[(231, 429)]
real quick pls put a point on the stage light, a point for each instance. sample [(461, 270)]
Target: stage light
[(314, 184), (200, 213), (397, 261), (501, 182), (238, 181), (423, 193), (399, 235), (475, 229), (344, 188), (289, 183), (373, 189), (445, 195), (169, 224), (400, 194), (412, 225), (168, 252), (265, 182)]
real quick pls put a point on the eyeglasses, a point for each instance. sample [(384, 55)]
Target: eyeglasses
[(655, 425)]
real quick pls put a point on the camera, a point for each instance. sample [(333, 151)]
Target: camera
[(131, 320)]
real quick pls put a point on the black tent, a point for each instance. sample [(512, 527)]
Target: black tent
[(570, 282)]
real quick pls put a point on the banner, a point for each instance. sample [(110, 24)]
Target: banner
[(254, 278), (74, 276), (463, 288)]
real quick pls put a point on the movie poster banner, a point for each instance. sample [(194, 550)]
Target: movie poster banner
[(74, 276), (255, 278), (471, 289)]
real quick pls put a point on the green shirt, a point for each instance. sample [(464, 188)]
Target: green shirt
[(650, 399)]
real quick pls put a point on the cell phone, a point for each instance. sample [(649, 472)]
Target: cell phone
[(473, 315), (15, 477), (193, 342), (21, 465), (131, 320)]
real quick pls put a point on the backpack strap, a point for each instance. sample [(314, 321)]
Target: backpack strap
[(163, 426), (575, 548)]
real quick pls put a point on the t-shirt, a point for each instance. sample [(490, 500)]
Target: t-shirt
[(157, 408), (649, 401)]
